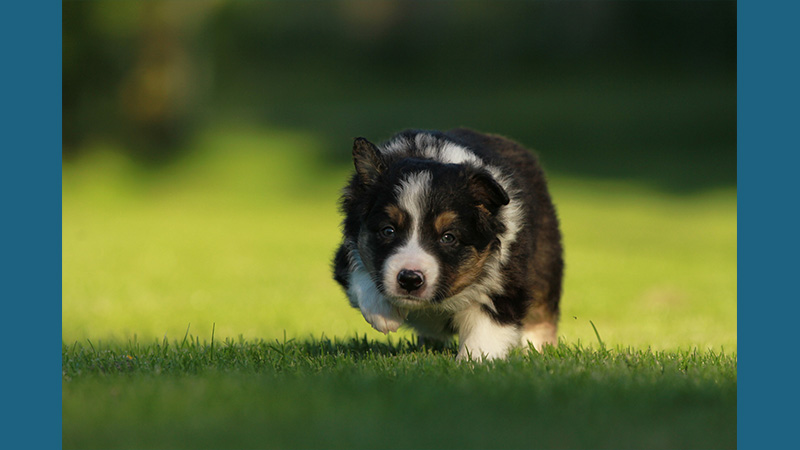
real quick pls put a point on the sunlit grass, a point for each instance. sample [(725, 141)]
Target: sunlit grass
[(355, 393), (183, 288), (240, 234)]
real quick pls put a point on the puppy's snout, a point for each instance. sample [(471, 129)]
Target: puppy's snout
[(410, 280)]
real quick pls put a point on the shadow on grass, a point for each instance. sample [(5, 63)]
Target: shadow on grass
[(354, 392)]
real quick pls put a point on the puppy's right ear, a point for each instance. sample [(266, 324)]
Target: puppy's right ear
[(368, 161)]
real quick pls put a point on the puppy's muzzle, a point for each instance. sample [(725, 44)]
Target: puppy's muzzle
[(410, 280)]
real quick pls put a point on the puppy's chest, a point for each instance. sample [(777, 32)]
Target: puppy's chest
[(432, 323)]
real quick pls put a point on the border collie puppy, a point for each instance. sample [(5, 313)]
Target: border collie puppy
[(452, 233)]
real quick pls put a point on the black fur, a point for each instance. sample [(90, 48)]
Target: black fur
[(531, 276)]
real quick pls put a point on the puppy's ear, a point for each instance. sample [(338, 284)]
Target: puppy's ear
[(487, 191), (368, 161)]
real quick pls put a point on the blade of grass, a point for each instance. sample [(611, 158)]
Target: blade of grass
[(596, 333)]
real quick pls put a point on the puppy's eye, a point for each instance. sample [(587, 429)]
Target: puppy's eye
[(448, 239), (387, 232)]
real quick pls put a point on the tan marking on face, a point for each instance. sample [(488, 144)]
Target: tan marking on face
[(469, 271), (396, 215), (444, 221)]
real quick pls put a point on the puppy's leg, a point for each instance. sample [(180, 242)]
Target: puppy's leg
[(382, 315), (480, 336), (539, 328), (432, 328)]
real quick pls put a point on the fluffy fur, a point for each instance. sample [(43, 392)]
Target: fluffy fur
[(452, 233)]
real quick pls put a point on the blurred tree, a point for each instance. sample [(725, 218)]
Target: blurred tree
[(597, 80), (130, 74), (160, 93)]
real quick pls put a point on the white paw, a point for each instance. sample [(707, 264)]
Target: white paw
[(384, 318), (481, 338), (382, 315)]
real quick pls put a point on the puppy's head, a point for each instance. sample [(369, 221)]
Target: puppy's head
[(427, 228)]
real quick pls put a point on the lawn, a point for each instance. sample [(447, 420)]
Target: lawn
[(356, 393), (198, 311)]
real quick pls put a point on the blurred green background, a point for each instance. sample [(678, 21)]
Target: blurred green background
[(205, 143)]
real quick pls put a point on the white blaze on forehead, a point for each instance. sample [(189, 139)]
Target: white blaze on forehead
[(412, 197)]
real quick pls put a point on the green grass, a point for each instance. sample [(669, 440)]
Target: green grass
[(237, 238), (356, 393)]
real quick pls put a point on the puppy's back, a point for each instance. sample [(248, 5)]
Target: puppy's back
[(540, 238)]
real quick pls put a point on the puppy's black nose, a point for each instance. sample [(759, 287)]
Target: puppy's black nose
[(410, 280)]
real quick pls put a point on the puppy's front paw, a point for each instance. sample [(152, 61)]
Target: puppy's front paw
[(385, 319), (382, 315)]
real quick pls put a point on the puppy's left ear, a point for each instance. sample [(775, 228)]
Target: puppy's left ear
[(368, 161), (487, 191)]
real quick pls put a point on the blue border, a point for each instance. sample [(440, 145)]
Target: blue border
[(30, 39), (767, 126), (767, 129)]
